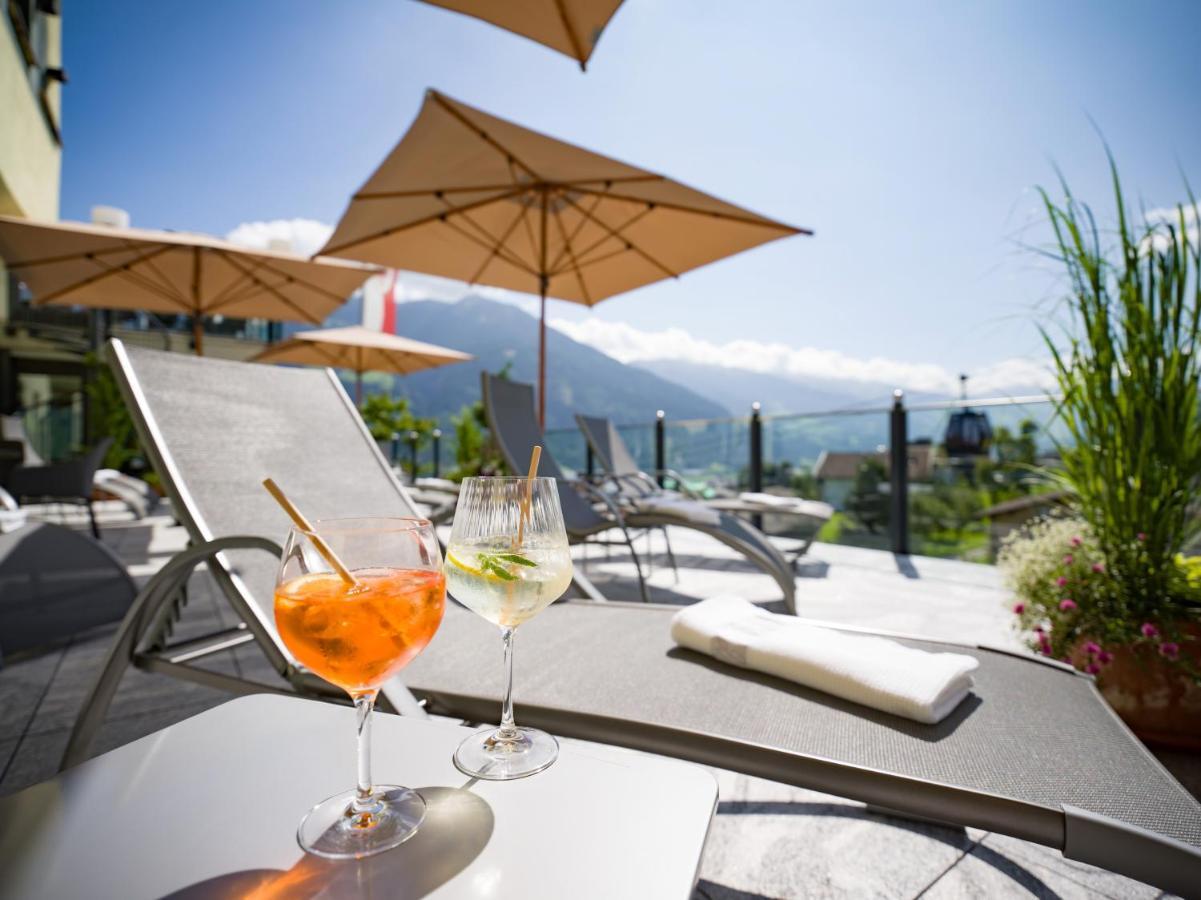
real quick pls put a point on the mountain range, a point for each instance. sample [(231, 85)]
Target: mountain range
[(581, 379)]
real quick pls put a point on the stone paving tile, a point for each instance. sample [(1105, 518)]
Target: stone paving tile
[(36, 759), (23, 682), (773, 840), (7, 746), (1005, 866)]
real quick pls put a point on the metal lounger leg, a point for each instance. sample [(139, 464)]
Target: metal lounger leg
[(144, 610)]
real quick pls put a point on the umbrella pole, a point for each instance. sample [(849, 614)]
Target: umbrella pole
[(542, 359), (197, 316), (358, 387)]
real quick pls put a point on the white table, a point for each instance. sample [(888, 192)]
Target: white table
[(209, 807)]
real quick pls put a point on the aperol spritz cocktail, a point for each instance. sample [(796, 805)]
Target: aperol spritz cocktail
[(359, 637), (355, 601)]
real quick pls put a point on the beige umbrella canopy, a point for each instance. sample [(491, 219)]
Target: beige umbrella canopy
[(570, 26), (469, 196), (73, 264), (362, 350)]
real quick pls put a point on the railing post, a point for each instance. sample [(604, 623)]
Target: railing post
[(660, 446), (756, 467), (437, 436), (898, 458), (589, 463), (414, 437), (396, 448)]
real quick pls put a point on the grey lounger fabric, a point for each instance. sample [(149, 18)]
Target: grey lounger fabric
[(1027, 756), (509, 406)]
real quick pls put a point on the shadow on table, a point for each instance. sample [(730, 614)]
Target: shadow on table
[(457, 827)]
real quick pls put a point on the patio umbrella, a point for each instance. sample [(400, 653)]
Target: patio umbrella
[(469, 196), (570, 26), (362, 350), (73, 264)]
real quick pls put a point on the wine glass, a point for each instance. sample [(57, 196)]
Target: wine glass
[(357, 634), (507, 560)]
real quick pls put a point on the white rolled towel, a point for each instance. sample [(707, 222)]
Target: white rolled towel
[(874, 671)]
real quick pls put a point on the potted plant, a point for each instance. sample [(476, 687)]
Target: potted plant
[(1109, 590)]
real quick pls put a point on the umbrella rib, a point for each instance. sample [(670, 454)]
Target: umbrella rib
[(424, 220), (497, 247), (483, 135), (141, 280), (304, 315), (571, 35), (629, 244), (470, 189), (517, 263), (679, 207), (496, 250), (529, 231), (164, 281), (107, 273), (618, 235), (299, 281), (575, 266), (580, 227)]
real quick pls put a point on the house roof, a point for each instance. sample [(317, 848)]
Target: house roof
[(840, 465)]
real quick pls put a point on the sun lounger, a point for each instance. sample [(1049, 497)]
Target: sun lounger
[(610, 450), (1034, 752), (509, 406)]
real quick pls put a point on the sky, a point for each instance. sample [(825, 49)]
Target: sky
[(910, 137)]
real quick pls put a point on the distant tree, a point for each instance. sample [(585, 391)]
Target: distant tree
[(1010, 471), (866, 500)]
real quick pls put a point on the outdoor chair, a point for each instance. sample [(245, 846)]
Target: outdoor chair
[(62, 482), (1034, 752), (509, 406), (639, 487)]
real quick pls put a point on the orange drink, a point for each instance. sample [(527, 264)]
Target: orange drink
[(358, 637)]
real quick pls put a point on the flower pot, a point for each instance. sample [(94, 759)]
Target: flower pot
[(1155, 697)]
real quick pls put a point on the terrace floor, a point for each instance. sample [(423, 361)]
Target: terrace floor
[(767, 841)]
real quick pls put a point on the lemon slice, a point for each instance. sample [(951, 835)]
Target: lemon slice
[(459, 564)]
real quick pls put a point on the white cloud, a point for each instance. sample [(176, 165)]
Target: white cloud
[(302, 236), (629, 344), (307, 236), (1171, 214)]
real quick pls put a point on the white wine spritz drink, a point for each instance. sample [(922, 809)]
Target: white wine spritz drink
[(507, 560), (505, 586)]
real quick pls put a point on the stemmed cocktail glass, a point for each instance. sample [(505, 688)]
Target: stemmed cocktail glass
[(507, 560), (355, 601)]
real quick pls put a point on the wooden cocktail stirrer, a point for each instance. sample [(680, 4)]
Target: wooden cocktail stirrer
[(535, 457), (303, 524)]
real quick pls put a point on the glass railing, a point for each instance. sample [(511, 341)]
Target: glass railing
[(957, 506)]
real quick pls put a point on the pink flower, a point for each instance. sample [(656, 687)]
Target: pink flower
[(1092, 648), (1077, 541), (1092, 668), (1142, 535), (1019, 608), (1045, 650), (1061, 581), (1068, 559), (1170, 650), (1067, 604), (1149, 630), (1098, 567), (1104, 657), (1038, 629)]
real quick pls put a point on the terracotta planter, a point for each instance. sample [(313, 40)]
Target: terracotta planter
[(1155, 698)]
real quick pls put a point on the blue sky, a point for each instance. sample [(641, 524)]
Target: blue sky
[(908, 136)]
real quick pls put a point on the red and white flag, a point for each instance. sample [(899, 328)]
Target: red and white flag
[(379, 302)]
